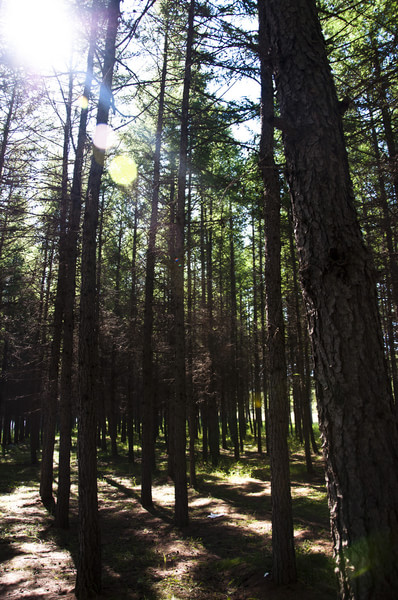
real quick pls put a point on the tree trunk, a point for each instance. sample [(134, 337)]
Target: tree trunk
[(284, 565), (383, 93), (131, 384), (212, 404), (147, 360), (180, 468), (192, 409), (50, 398), (256, 366), (65, 407), (88, 581), (233, 366), (203, 272), (386, 211), (299, 372), (354, 393), (264, 379), (6, 128)]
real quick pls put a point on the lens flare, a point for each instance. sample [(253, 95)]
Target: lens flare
[(104, 137), (123, 170), (83, 102)]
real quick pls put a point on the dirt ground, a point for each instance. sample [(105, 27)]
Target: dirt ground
[(223, 555)]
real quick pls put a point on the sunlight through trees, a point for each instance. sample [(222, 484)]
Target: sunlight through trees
[(198, 231)]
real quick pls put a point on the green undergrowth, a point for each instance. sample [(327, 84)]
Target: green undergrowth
[(16, 469)]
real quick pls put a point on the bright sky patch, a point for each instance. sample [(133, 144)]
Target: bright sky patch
[(38, 34)]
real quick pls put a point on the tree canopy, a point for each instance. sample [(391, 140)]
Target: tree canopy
[(153, 239)]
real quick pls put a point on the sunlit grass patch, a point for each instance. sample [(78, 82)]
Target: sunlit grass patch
[(229, 468), (310, 503), (228, 563)]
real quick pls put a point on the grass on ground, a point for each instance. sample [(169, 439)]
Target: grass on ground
[(145, 557)]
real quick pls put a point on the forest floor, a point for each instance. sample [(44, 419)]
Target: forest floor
[(224, 554)]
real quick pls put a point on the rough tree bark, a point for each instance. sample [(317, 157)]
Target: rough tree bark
[(88, 581), (354, 392), (283, 555)]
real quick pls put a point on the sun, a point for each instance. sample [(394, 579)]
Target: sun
[(37, 35)]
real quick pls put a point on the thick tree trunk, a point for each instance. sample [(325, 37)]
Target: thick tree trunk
[(337, 275), (284, 564), (88, 581)]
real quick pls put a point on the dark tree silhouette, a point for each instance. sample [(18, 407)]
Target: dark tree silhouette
[(338, 279), (284, 565), (88, 580)]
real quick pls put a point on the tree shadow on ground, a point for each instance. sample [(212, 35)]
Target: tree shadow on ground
[(252, 496), (253, 554), (310, 506), (128, 556), (130, 536), (16, 473), (32, 566), (146, 557), (225, 556), (7, 549), (194, 563)]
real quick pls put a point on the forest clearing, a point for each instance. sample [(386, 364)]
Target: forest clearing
[(224, 553)]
